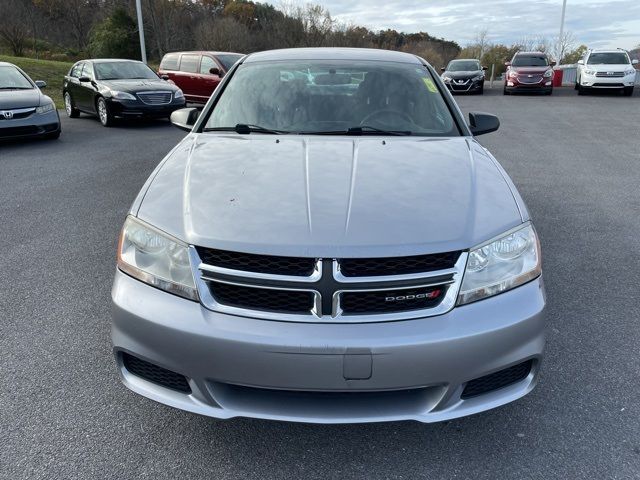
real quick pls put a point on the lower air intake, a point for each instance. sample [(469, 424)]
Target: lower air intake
[(497, 380), (155, 374)]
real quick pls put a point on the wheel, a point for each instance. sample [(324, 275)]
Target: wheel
[(105, 116), (504, 91), (72, 112), (550, 92), (481, 91), (581, 91), (628, 91)]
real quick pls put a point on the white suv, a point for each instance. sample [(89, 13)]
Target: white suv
[(606, 69)]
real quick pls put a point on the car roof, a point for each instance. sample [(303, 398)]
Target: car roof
[(202, 52), (607, 50), (107, 60), (333, 54), (7, 64), (531, 53), (465, 60)]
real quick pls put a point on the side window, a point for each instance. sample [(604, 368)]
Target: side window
[(76, 70), (189, 63), (87, 71), (170, 61), (207, 64)]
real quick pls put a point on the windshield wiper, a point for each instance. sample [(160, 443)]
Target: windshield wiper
[(244, 129), (361, 130)]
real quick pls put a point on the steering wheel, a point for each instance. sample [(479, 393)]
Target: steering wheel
[(387, 111)]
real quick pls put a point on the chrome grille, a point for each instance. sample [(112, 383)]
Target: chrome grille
[(386, 288), (525, 78), (610, 74), (16, 113), (155, 98)]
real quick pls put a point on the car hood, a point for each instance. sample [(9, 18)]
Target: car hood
[(10, 99), (539, 70), (137, 85), (620, 67), (463, 75), (329, 196)]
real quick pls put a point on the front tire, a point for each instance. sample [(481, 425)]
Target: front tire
[(581, 90), (628, 91), (505, 92), (72, 111), (52, 136), (104, 115)]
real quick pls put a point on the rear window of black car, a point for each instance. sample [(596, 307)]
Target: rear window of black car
[(530, 61), (170, 61)]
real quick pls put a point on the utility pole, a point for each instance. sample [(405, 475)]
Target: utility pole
[(560, 39), (143, 50)]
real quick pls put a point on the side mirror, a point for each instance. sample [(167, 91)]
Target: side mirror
[(634, 61), (442, 69), (84, 79), (216, 71), (553, 64), (481, 123), (41, 84), (484, 69), (507, 64), (580, 62), (185, 118), (164, 77)]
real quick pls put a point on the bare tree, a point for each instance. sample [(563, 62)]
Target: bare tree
[(482, 43), (223, 34), (564, 45), (16, 24)]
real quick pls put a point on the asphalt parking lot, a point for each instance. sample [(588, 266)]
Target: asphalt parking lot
[(64, 413)]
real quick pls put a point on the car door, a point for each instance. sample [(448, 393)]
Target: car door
[(187, 77), (72, 82), (85, 99), (207, 82)]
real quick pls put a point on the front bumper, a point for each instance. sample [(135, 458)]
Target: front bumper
[(469, 86), (239, 366), (545, 86), (135, 108), (35, 125), (591, 81)]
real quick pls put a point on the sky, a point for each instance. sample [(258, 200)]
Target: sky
[(595, 23)]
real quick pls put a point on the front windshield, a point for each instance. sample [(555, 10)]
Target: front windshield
[(228, 61), (334, 97), (613, 58), (12, 79), (463, 66), (123, 71), (530, 61)]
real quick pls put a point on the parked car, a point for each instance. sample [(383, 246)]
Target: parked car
[(24, 110), (118, 88), (529, 72), (318, 253), (606, 70), (197, 73), (464, 76)]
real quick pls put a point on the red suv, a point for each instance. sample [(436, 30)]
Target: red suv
[(529, 71), (197, 73)]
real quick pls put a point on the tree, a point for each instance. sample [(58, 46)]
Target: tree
[(77, 15), (15, 25), (563, 45), (225, 33), (575, 55), (115, 36)]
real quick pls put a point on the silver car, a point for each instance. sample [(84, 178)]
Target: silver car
[(24, 110), (329, 244)]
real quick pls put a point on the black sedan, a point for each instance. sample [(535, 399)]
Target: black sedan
[(118, 88), (24, 110), (464, 76)]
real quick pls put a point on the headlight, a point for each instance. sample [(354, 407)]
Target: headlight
[(178, 94), (478, 78), (630, 72), (122, 96), (155, 258), (446, 79), (501, 265), (47, 107), (513, 73), (548, 73), (590, 72)]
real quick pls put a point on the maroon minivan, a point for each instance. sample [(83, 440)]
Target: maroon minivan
[(197, 73)]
